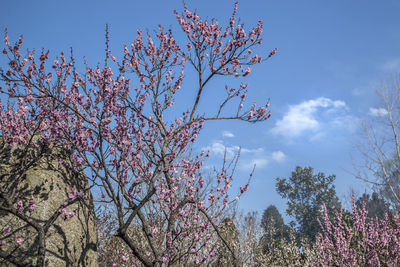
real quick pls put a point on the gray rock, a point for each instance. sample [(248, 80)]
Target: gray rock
[(39, 176)]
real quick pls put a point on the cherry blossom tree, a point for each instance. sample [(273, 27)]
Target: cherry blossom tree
[(117, 124)]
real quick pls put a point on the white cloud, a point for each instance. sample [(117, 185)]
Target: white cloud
[(256, 150), (262, 161), (377, 112), (227, 134), (248, 157), (278, 156), (219, 149), (302, 117), (391, 65), (258, 162), (348, 122)]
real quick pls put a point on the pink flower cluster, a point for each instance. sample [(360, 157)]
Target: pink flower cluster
[(67, 214), (30, 206), (362, 242), (229, 48), (75, 194)]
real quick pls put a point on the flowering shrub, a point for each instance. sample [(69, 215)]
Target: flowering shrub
[(350, 240), (363, 242)]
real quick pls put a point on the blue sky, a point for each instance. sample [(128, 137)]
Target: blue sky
[(331, 56)]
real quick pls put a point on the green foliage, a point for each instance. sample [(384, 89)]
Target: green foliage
[(271, 216), (376, 206), (272, 219), (306, 194)]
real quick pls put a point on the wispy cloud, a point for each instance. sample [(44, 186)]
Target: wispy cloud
[(391, 65), (227, 134), (377, 112), (255, 150), (248, 156), (348, 122), (257, 162), (357, 92), (302, 117), (278, 156), (261, 161), (219, 149)]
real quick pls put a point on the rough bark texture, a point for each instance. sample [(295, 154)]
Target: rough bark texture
[(39, 176)]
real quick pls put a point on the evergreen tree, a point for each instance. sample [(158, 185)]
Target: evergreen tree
[(306, 194), (375, 205), (275, 228)]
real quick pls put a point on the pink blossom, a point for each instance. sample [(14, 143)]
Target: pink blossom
[(123, 258), (362, 243), (20, 205), (19, 240), (248, 70), (7, 229), (31, 205)]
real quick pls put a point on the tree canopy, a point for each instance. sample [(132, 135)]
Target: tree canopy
[(307, 193), (374, 205)]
